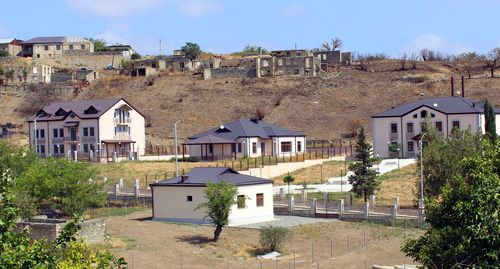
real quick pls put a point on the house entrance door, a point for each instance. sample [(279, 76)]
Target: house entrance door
[(263, 148)]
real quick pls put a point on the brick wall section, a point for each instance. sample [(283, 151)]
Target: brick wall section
[(93, 231)]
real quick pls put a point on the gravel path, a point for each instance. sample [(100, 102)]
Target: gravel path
[(287, 221)]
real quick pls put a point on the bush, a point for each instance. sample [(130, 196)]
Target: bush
[(272, 238)]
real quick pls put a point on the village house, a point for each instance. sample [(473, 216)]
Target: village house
[(92, 129), (246, 138), (176, 199), (11, 46), (125, 50), (404, 126), (57, 46)]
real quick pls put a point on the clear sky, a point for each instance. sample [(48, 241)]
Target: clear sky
[(223, 26)]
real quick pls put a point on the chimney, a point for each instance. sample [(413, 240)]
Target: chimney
[(452, 90), (463, 87), (184, 178)]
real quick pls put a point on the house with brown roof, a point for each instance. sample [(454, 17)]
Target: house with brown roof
[(11, 46), (246, 138), (91, 129)]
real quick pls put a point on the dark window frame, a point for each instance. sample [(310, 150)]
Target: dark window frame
[(259, 199), (240, 201)]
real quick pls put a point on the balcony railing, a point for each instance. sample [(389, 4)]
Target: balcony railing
[(88, 139), (122, 121), (71, 139), (393, 136), (57, 140), (410, 135), (40, 141)]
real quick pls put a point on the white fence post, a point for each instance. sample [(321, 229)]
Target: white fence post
[(121, 183), (372, 201), (366, 210), (117, 190), (395, 201), (394, 213), (341, 209), (291, 203), (314, 205)]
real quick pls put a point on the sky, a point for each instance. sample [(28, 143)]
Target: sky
[(223, 26)]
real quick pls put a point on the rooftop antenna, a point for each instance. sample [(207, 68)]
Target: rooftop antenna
[(160, 47)]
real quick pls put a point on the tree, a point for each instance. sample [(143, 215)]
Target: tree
[(288, 179), (413, 61), (4, 53), (273, 238), (62, 184), (364, 180), (1, 71), (489, 121), (99, 44), (467, 61), (191, 50), (254, 49), (464, 222), (334, 44), (9, 74), (441, 159), (135, 56), (220, 197), (402, 61), (492, 60)]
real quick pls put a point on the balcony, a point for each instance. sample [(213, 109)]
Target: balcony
[(393, 136), (57, 140), (88, 139), (410, 135), (71, 138), (124, 121), (40, 141)]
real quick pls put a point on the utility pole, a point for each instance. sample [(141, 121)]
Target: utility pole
[(175, 143)]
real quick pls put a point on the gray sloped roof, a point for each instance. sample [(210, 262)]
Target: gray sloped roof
[(446, 105), (77, 107), (200, 176), (54, 39), (248, 128), (209, 139)]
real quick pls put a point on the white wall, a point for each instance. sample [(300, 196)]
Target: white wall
[(170, 204)]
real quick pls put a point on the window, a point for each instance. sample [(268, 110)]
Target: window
[(240, 200), (58, 132), (439, 126), (415, 116), (58, 47), (409, 127), (423, 114), (40, 133), (121, 129), (189, 198), (260, 199), (423, 126), (88, 131), (211, 148), (299, 146), (58, 149), (286, 146), (394, 128), (70, 47), (88, 147), (254, 147), (456, 124), (239, 147), (410, 146), (46, 47), (82, 47), (433, 115), (40, 149)]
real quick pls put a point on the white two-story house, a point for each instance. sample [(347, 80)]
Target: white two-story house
[(403, 126), (94, 129), (246, 138)]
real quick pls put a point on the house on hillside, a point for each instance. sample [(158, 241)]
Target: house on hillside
[(246, 138), (403, 126), (175, 199), (91, 129), (56, 46), (11, 46)]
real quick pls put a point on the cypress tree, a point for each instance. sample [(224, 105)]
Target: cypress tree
[(489, 118)]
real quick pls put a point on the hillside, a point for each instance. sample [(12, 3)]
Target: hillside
[(325, 107)]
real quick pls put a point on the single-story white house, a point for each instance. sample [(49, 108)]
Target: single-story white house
[(175, 199), (246, 138), (404, 125)]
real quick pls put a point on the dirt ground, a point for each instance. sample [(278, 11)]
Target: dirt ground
[(312, 175), (148, 244), (401, 183)]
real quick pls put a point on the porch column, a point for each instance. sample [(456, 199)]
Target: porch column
[(222, 150)]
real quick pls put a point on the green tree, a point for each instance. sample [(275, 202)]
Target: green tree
[(1, 71), (220, 197), (254, 49), (464, 222), (135, 56), (99, 44), (4, 53), (489, 121), (288, 179), (273, 238), (441, 159), (62, 184), (191, 50), (9, 74), (364, 180)]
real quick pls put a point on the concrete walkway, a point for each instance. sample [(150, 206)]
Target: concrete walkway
[(286, 221)]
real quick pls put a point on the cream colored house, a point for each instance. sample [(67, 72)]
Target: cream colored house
[(175, 199), (56, 46), (91, 129), (11, 46), (246, 138), (404, 125)]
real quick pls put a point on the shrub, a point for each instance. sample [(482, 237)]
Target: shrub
[(272, 238)]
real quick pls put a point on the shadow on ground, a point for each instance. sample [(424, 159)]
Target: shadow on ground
[(195, 239)]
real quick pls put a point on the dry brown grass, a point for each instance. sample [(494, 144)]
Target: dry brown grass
[(312, 175), (402, 183)]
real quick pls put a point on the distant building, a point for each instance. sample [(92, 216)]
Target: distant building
[(11, 45), (54, 47), (94, 129), (41, 74), (290, 53), (125, 50)]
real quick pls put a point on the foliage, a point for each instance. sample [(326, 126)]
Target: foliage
[(220, 197), (1, 71), (467, 62), (492, 61), (465, 222), (394, 149), (62, 184), (273, 238), (430, 55), (254, 49), (125, 64), (191, 50), (332, 45), (4, 53), (288, 179), (135, 56), (441, 158), (9, 74), (99, 44), (364, 180), (489, 121)]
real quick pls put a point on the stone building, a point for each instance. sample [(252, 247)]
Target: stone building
[(11, 46), (55, 47)]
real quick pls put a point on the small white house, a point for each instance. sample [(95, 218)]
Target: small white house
[(404, 125), (246, 138), (175, 199)]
